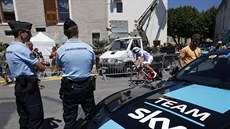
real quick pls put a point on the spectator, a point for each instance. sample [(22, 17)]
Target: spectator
[(57, 45), (6, 66), (3, 72), (221, 45), (164, 48), (170, 49), (36, 53), (190, 52), (53, 61), (154, 50), (98, 53), (29, 45)]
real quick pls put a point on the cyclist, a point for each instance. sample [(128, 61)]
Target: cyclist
[(140, 54)]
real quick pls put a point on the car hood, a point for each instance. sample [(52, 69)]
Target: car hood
[(175, 105), (112, 54)]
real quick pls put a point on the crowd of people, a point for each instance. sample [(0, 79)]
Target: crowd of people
[(166, 48), (51, 63)]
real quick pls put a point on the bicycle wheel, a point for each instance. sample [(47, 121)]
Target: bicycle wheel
[(137, 77)]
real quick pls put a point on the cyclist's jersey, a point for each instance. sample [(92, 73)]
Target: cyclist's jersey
[(144, 54)]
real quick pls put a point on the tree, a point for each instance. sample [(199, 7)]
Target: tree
[(208, 20), (185, 21), (182, 22), (100, 44)]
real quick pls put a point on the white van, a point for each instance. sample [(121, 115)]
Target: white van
[(119, 57)]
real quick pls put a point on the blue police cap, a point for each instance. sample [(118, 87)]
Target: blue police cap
[(69, 23), (20, 25)]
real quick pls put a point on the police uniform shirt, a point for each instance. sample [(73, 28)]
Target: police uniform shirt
[(76, 59), (20, 59)]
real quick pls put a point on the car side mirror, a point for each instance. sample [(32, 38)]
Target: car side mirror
[(174, 70)]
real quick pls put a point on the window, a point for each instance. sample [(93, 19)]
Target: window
[(7, 11), (119, 45), (136, 43), (8, 32), (207, 70), (63, 10), (119, 7), (40, 29), (56, 11), (95, 36)]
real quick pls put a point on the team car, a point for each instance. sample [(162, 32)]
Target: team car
[(195, 97)]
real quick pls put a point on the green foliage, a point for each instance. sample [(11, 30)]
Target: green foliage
[(209, 20), (185, 21), (100, 44)]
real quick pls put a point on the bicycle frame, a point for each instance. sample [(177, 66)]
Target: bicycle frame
[(143, 70), (139, 76)]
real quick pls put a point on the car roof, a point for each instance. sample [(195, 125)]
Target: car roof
[(129, 38), (219, 52)]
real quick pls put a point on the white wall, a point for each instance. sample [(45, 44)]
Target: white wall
[(133, 9), (222, 19)]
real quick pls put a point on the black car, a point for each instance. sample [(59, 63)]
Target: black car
[(196, 97)]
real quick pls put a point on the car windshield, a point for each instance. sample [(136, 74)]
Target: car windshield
[(211, 70), (120, 44)]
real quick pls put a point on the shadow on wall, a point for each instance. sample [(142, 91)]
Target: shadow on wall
[(158, 14), (161, 18)]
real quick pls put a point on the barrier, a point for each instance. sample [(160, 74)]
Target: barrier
[(116, 66), (170, 61), (107, 67), (163, 62)]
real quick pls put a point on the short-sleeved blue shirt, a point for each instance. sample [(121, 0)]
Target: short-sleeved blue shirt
[(76, 59), (20, 59)]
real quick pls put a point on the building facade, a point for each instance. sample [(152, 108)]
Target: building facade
[(47, 16), (123, 13), (222, 20), (97, 19)]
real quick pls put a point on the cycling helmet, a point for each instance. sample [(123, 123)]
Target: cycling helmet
[(136, 49)]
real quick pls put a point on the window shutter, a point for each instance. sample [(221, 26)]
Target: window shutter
[(50, 12)]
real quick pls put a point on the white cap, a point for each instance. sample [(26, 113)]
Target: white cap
[(219, 42)]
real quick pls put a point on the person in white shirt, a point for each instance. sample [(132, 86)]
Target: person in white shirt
[(147, 60)]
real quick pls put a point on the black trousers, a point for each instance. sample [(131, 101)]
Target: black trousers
[(80, 93), (29, 107)]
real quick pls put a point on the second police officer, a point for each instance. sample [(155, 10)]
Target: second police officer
[(22, 64), (76, 59)]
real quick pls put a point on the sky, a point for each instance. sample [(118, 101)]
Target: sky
[(199, 4)]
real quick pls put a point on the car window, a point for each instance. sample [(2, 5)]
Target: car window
[(206, 65), (135, 43), (120, 45), (213, 70)]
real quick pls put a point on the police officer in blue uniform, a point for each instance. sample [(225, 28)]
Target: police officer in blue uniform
[(23, 64), (76, 59)]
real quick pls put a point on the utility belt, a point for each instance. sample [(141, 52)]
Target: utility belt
[(29, 82), (69, 84)]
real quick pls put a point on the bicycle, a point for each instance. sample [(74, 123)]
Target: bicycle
[(139, 76)]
